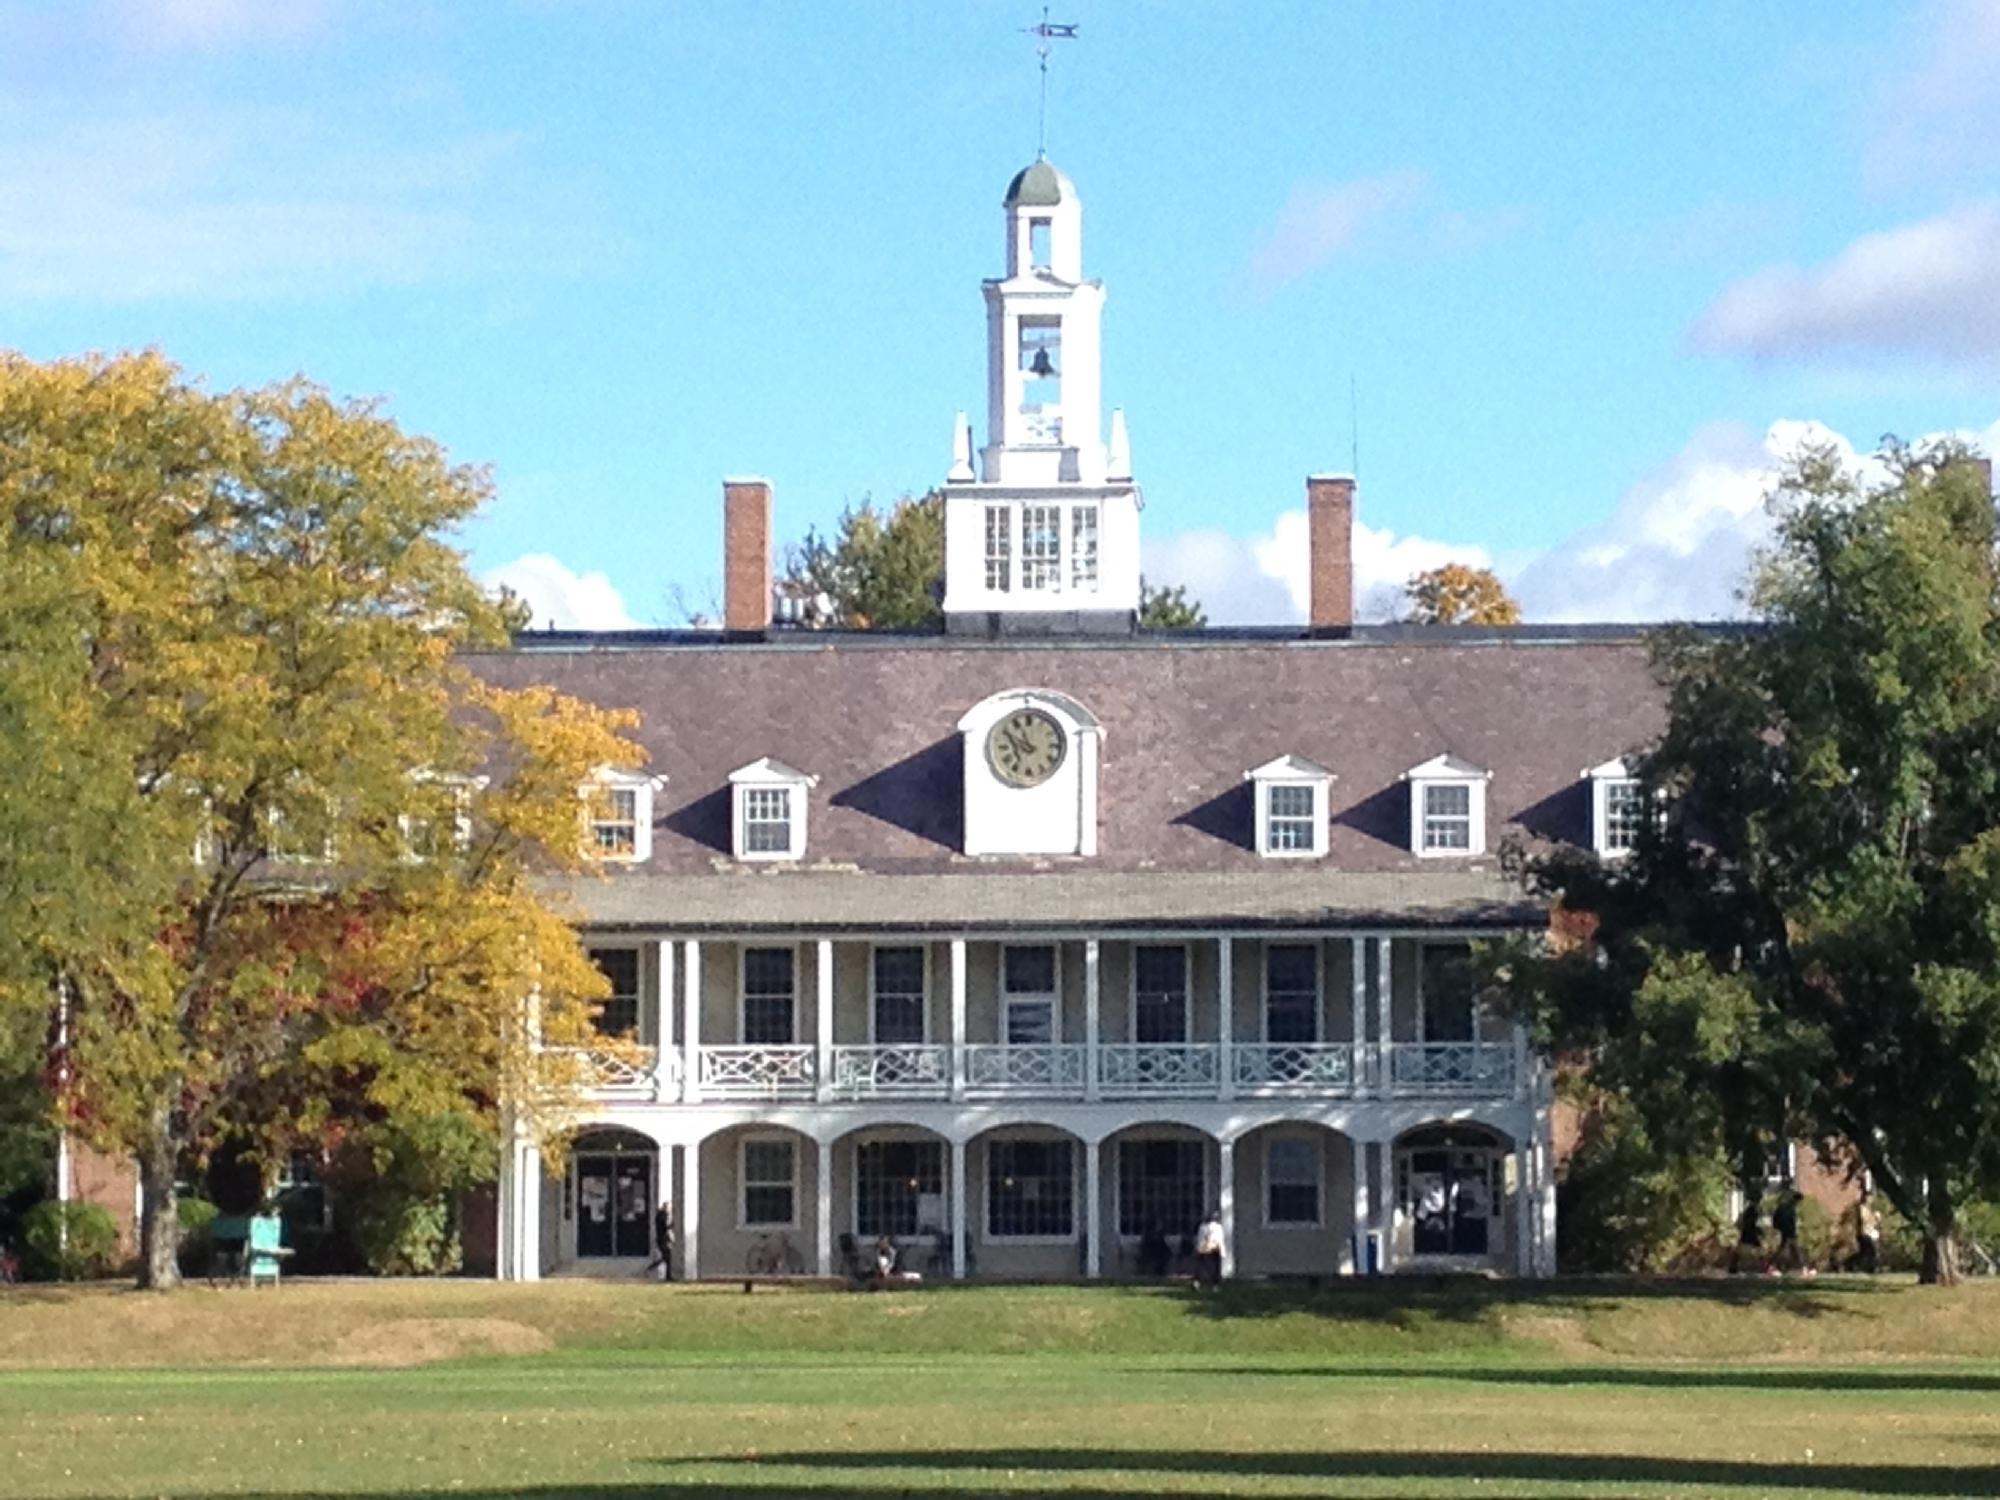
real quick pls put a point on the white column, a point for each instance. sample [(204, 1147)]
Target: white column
[(1360, 1201), (1225, 1016), (958, 1019), (664, 1189), (1385, 988), (531, 1216), (1521, 1082), (1357, 1014), (691, 1209), (1545, 1184), (691, 1021), (823, 1019), (823, 1222), (1090, 1007), (1225, 1199), (958, 1202), (1525, 1208), (663, 1024), (1093, 1211), (506, 1210)]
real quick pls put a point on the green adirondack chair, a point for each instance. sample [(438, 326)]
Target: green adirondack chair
[(265, 1251)]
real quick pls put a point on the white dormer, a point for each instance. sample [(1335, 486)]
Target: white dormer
[(1292, 795), (1617, 808), (1447, 807), (1031, 760), (618, 815), (768, 801)]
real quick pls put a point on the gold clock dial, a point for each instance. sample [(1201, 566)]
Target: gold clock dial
[(1026, 747)]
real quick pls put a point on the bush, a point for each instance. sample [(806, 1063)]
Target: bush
[(1626, 1206), (196, 1215), (405, 1234), (67, 1242)]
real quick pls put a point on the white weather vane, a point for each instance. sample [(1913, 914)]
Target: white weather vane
[(1046, 34)]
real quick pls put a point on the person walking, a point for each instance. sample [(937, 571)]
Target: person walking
[(1209, 1246), (1785, 1222), (663, 1240), (1867, 1234)]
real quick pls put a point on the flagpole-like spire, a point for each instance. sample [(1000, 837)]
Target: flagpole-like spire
[(1046, 34)]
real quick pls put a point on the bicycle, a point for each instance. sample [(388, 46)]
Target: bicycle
[(775, 1255)]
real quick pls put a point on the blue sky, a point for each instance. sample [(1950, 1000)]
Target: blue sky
[(1589, 269)]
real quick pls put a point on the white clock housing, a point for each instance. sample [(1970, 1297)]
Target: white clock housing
[(1056, 815)]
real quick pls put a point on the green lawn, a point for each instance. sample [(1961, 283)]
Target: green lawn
[(1475, 1389)]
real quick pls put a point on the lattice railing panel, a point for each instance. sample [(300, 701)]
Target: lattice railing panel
[(1317, 1067), (1483, 1068), (1186, 1068), (1049, 1069), (757, 1072), (899, 1071)]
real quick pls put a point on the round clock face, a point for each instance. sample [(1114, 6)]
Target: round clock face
[(1026, 747)]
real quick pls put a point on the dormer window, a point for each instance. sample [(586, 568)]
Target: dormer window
[(1291, 807), (618, 812), (1617, 809), (1447, 807), (768, 800)]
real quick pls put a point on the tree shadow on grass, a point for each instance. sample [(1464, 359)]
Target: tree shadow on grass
[(1749, 1378)]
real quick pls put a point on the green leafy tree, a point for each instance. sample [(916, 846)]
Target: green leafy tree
[(1169, 608), (1456, 594), (1806, 945), (281, 837)]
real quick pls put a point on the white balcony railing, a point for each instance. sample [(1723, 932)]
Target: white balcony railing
[(1295, 1067), (1051, 1070), (900, 1071), (1435, 1069), (762, 1072), (626, 1071), (1133, 1069)]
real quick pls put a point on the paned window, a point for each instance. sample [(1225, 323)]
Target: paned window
[(614, 821), (1448, 985), (619, 1015), (1028, 984), (899, 996), (1291, 1181), (1030, 1189), (1041, 547), (770, 1183), (1159, 993), (999, 548), (1161, 1185), (898, 1188), (1447, 816), (1083, 547), (768, 989), (1624, 811), (767, 820), (1291, 993), (1293, 822)]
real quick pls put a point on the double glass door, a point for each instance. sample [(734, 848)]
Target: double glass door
[(614, 1206), (1450, 1201)]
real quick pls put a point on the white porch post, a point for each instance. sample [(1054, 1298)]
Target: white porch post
[(1360, 1202), (957, 1206), (663, 1025), (958, 1020), (1225, 1016), (823, 1020), (1090, 1006), (1357, 1015), (1525, 1207), (665, 1190), (1385, 989), (506, 1210), (1545, 1188), (1225, 1200), (531, 1212), (691, 1023), (1093, 1211), (823, 1221), (691, 1210)]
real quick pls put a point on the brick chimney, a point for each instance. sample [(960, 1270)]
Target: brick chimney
[(746, 554), (1330, 536)]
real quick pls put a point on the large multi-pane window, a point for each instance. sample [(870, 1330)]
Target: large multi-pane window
[(1159, 993), (898, 1188), (614, 821), (770, 1182), (1447, 816), (899, 996), (999, 548), (1624, 811), (769, 988), (1083, 547), (1450, 992), (619, 1015), (1161, 1185), (1291, 993), (1028, 990), (1041, 548), (1291, 1181), (1030, 1189), (767, 820), (1291, 819)]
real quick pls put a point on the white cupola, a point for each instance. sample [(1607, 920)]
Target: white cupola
[(1045, 522)]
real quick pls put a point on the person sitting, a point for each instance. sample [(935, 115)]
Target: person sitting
[(1155, 1254)]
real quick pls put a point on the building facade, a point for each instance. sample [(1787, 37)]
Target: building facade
[(1030, 942)]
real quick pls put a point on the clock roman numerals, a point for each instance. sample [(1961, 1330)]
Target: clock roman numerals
[(1026, 747)]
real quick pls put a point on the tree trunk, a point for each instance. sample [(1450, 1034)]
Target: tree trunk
[(159, 1214), (1941, 1249)]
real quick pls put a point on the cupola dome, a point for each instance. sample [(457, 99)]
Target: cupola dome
[(1039, 186)]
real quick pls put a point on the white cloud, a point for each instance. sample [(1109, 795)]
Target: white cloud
[(560, 597), (1926, 289), (211, 25), (1319, 221), (1938, 116)]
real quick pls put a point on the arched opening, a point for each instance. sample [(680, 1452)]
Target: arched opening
[(1295, 1201), (1026, 1203), (1456, 1195), (1161, 1180), (757, 1185), (610, 1191), (892, 1183)]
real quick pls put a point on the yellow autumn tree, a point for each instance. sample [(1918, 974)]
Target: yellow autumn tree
[(1456, 594), (271, 849)]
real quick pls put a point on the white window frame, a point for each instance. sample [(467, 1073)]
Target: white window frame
[(1053, 996), (1000, 563), (1442, 771), (462, 789), (768, 775), (1076, 1206), (1314, 1145), (1264, 989), (1054, 562), (274, 822), (744, 1224), (642, 787), (1116, 1174), (743, 992), (896, 1137), (1083, 522), (924, 1010), (638, 951), (1424, 946), (1613, 774), (1291, 771), (1187, 993)]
